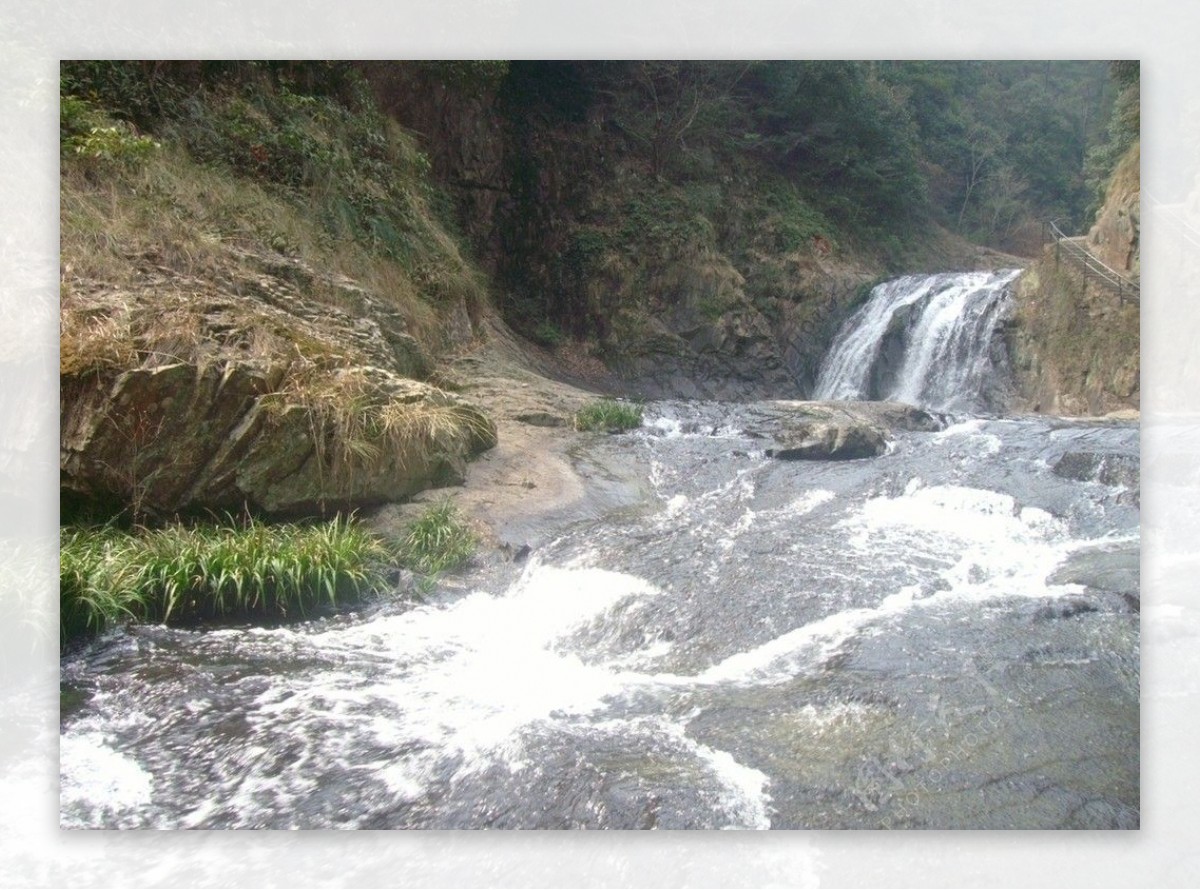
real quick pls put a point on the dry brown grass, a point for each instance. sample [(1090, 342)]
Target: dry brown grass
[(360, 423), (95, 340), (173, 261), (174, 217)]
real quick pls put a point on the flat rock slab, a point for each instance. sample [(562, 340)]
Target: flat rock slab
[(841, 430), (1115, 569)]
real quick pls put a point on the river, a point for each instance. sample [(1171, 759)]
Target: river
[(945, 636)]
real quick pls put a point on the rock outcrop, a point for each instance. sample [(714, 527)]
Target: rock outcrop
[(843, 430), (244, 393), (1115, 237), (1074, 345)]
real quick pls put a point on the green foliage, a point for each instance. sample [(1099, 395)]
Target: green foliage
[(370, 183), (677, 113), (77, 116), (588, 246), (149, 93), (1124, 128), (791, 221), (467, 75), (111, 144), (660, 218), (548, 333), (609, 415), (89, 134), (308, 131), (182, 573), (1003, 143), (439, 540), (844, 134), (128, 90)]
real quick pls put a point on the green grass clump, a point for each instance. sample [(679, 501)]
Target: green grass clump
[(438, 540), (609, 415), (184, 573)]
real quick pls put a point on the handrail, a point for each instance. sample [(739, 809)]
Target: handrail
[(1125, 287)]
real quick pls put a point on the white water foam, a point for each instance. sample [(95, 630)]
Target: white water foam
[(946, 347), (466, 678), (96, 777), (992, 548), (666, 427), (745, 789)]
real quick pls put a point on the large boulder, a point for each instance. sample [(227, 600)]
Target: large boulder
[(183, 437), (842, 430), (830, 440), (244, 390)]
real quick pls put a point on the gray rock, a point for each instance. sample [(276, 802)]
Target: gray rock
[(1107, 469), (840, 430), (830, 440), (1111, 569)]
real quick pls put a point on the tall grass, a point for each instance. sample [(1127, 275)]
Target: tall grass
[(358, 422), (609, 415), (259, 173), (185, 573), (437, 541)]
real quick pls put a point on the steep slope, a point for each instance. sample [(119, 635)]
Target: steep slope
[(644, 215), (251, 304), (1074, 342)]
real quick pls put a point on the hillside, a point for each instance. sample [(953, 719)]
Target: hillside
[(252, 303), (272, 270), (1074, 339)]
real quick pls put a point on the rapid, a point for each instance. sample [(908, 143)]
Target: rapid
[(944, 636)]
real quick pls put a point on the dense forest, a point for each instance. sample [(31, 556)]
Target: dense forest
[(554, 175)]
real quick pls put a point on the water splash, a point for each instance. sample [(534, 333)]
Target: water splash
[(925, 340)]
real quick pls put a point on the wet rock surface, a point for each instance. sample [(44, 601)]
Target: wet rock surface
[(842, 431), (937, 638), (1103, 467), (1114, 569)]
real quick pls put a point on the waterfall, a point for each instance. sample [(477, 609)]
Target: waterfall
[(921, 339)]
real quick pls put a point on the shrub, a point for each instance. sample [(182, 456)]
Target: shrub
[(179, 573), (90, 134), (439, 540), (111, 144), (609, 415), (548, 334)]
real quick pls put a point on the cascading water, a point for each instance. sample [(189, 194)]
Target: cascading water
[(945, 636), (926, 340), (942, 637)]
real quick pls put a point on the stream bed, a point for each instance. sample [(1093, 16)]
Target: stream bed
[(944, 636)]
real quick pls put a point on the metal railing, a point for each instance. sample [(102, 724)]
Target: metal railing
[(1073, 249)]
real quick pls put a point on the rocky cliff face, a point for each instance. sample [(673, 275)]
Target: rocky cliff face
[(1114, 238), (1074, 344), (716, 282)]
